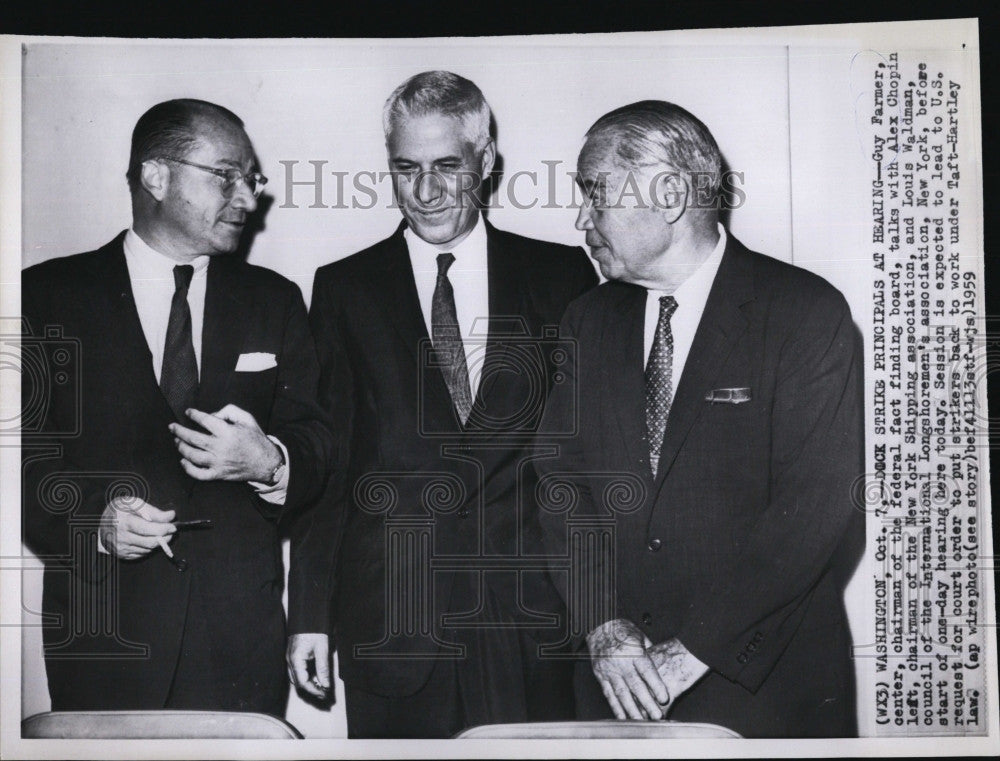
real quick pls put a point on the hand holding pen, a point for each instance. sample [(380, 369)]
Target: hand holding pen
[(132, 528)]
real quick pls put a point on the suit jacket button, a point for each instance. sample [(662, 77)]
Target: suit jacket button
[(654, 544), (647, 620), (463, 513)]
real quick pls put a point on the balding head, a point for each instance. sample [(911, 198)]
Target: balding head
[(172, 128)]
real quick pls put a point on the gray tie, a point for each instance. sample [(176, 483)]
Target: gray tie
[(659, 383), (447, 339)]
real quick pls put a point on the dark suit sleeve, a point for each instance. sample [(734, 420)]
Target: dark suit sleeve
[(54, 489), (297, 419), (748, 614), (316, 536), (565, 490)]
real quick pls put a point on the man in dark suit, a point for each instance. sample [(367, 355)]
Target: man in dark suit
[(191, 396), (724, 387), (435, 357)]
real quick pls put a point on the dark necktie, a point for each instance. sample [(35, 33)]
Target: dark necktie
[(447, 340), (659, 383), (179, 375)]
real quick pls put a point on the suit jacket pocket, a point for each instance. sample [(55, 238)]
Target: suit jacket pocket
[(254, 392)]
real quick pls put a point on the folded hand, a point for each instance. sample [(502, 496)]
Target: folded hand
[(628, 678)]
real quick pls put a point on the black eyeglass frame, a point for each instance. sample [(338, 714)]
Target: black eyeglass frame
[(254, 181)]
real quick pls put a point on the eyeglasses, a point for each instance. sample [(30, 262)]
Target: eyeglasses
[(254, 181)]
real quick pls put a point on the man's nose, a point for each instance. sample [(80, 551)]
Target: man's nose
[(428, 187), (243, 197), (583, 220)]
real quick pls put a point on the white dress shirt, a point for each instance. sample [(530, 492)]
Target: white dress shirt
[(470, 282), (691, 296), (152, 277)]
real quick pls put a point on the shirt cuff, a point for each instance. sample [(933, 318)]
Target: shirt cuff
[(277, 493)]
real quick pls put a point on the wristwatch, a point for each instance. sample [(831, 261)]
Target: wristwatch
[(279, 470)]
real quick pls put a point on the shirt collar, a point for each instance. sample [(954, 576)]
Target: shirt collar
[(469, 254), (146, 263), (695, 289)]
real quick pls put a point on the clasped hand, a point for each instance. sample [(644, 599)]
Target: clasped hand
[(640, 680), (234, 449), (627, 675)]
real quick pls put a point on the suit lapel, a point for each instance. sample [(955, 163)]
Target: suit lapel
[(228, 317), (134, 369), (128, 366), (722, 323), (623, 381), (507, 303), (394, 285)]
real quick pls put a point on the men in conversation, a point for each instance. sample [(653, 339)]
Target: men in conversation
[(188, 427), (729, 384), (417, 564)]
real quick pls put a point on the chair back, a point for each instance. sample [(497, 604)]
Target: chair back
[(124, 725), (610, 729)]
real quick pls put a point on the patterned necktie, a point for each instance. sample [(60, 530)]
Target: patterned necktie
[(447, 340), (179, 374), (659, 383)]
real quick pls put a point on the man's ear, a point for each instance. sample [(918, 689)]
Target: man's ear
[(154, 177), (671, 193), (489, 158)]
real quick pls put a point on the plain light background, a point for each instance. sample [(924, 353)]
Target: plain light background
[(784, 116), (323, 102)]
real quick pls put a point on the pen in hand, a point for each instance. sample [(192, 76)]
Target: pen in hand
[(200, 523)]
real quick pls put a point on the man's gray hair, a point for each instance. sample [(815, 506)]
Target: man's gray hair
[(654, 132), (440, 92)]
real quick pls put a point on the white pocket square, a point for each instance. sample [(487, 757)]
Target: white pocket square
[(729, 395), (255, 361)]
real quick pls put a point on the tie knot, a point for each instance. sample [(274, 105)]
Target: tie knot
[(668, 305), (182, 276), (444, 262)]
